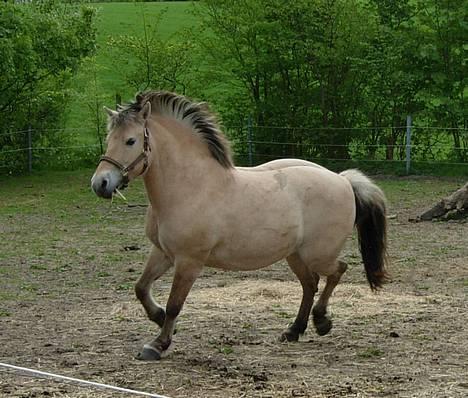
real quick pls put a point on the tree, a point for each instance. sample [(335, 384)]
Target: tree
[(153, 61), (297, 63), (93, 97), (395, 74), (42, 45), (444, 53)]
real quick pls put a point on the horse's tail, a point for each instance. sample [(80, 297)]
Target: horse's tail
[(371, 224)]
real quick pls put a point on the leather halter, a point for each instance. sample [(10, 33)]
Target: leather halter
[(143, 156)]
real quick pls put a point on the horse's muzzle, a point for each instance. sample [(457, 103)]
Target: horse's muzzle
[(105, 184)]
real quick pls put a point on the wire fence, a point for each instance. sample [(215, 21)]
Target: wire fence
[(400, 148), (404, 149)]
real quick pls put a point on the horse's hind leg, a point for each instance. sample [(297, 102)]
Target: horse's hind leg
[(309, 281), (322, 322), (156, 266)]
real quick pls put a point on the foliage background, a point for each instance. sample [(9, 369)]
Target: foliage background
[(327, 79)]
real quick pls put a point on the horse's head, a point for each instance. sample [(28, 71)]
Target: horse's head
[(127, 151)]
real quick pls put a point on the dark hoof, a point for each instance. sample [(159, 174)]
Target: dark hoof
[(322, 325), (148, 354), (289, 335)]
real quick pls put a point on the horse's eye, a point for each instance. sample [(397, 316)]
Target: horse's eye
[(130, 141)]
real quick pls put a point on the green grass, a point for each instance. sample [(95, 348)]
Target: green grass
[(412, 191), (127, 18), (53, 229), (226, 350), (371, 352), (116, 19)]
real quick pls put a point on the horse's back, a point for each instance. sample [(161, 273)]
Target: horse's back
[(281, 164)]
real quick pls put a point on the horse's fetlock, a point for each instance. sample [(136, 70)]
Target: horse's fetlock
[(162, 345), (319, 312), (299, 327), (158, 316)]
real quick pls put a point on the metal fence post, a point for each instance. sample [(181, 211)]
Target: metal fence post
[(29, 149), (408, 143), (249, 140)]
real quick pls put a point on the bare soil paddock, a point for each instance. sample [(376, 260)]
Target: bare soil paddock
[(67, 268)]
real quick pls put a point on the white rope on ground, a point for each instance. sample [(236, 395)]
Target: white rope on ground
[(101, 386)]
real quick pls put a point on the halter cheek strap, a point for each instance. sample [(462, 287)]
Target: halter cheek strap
[(143, 156)]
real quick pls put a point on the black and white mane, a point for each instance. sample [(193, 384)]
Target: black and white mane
[(195, 114)]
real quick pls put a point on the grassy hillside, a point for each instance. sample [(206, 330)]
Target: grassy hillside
[(116, 19)]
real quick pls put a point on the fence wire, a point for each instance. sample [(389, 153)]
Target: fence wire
[(34, 373), (258, 143)]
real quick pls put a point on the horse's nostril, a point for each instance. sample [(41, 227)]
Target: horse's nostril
[(104, 183)]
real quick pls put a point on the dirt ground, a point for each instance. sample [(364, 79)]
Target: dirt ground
[(67, 306)]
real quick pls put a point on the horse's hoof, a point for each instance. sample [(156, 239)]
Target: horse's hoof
[(290, 336), (322, 325), (148, 354)]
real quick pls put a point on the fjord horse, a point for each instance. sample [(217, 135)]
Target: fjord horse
[(203, 211)]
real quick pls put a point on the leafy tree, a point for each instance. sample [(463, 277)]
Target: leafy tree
[(151, 61), (297, 62), (41, 45), (93, 97), (445, 54), (335, 65), (395, 75)]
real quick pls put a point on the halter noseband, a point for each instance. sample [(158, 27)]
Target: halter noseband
[(124, 170)]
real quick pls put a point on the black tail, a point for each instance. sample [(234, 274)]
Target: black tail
[(371, 223)]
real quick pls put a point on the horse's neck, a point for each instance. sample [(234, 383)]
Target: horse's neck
[(181, 166)]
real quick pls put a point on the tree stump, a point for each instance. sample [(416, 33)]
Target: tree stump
[(453, 207)]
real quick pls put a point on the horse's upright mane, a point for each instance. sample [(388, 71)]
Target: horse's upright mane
[(196, 115)]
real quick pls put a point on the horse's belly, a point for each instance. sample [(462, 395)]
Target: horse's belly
[(241, 263), (256, 250)]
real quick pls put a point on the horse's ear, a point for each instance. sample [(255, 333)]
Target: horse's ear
[(110, 112), (146, 110)]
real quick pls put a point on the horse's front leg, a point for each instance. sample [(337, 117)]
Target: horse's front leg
[(156, 266), (186, 272)]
